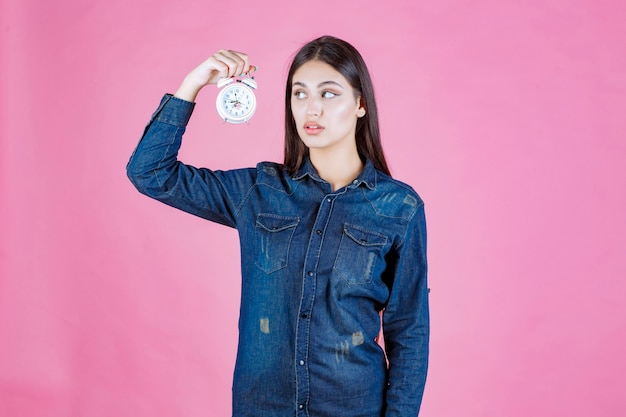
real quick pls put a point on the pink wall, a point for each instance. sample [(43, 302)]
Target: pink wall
[(507, 116)]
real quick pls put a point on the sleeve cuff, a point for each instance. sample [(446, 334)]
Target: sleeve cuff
[(174, 111)]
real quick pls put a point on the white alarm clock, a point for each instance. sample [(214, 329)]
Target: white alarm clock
[(236, 101)]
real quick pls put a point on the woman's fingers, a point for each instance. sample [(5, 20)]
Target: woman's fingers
[(222, 64), (238, 63)]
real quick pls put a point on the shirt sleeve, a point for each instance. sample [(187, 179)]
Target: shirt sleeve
[(406, 324), (154, 169)]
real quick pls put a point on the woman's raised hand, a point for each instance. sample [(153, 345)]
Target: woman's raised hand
[(223, 64)]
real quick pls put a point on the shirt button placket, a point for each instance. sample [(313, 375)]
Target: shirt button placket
[(308, 295)]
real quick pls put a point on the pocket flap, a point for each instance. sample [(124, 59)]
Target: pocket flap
[(276, 223), (364, 237)]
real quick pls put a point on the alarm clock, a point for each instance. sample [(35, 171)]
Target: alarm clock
[(236, 101)]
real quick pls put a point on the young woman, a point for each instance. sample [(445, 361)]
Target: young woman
[(331, 246)]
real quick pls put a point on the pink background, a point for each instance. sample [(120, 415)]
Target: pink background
[(506, 116)]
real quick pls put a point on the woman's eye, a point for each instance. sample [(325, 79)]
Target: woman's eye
[(299, 94), (328, 94)]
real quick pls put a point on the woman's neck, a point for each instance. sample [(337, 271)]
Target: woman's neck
[(337, 169)]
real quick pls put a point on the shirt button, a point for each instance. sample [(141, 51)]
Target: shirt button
[(301, 406), (304, 316), (310, 273), (301, 363), (355, 181), (319, 232), (329, 200)]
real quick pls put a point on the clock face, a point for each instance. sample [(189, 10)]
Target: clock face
[(236, 103)]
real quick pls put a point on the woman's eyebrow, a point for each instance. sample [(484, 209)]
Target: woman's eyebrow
[(322, 84)]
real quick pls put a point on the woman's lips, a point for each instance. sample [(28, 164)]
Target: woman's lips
[(312, 128)]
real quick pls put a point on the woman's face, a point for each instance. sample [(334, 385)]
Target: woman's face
[(324, 107)]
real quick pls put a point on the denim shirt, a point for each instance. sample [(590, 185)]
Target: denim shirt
[(320, 270)]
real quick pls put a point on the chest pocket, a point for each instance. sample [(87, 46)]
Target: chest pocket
[(359, 251), (273, 235)]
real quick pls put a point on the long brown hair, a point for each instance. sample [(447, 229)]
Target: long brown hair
[(345, 59)]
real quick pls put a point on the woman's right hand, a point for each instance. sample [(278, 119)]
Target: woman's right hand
[(223, 64)]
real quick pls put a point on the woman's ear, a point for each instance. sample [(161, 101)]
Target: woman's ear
[(361, 111)]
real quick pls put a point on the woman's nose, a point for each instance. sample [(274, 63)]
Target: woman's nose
[(314, 108)]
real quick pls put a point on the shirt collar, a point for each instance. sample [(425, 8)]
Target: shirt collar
[(368, 176)]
